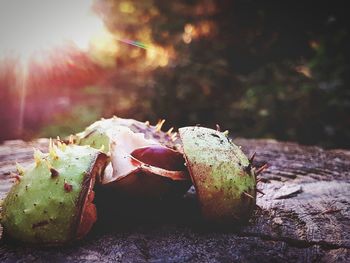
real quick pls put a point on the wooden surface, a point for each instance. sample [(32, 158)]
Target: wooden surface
[(305, 216)]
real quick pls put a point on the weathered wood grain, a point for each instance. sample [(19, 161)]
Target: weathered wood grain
[(304, 216)]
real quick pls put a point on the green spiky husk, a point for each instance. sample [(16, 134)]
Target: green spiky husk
[(96, 134), (45, 205), (221, 175)]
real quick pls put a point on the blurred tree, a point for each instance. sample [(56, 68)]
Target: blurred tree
[(8, 98), (271, 68)]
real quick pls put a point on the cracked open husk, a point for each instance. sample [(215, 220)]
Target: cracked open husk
[(51, 201), (95, 134), (221, 173), (145, 161)]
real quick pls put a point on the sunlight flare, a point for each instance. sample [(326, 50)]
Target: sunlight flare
[(32, 29), (32, 26)]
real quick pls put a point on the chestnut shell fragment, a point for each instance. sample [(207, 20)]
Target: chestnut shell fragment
[(145, 161)]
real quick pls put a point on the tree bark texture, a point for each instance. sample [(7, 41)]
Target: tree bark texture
[(304, 216)]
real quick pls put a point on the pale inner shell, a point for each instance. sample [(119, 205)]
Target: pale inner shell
[(123, 142)]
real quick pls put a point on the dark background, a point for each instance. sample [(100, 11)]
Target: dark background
[(261, 69)]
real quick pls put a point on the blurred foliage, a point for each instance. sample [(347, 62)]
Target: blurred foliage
[(277, 69), (259, 68), (75, 121)]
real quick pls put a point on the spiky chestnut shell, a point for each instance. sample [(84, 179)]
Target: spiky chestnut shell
[(95, 134), (51, 203), (221, 173), (144, 159)]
